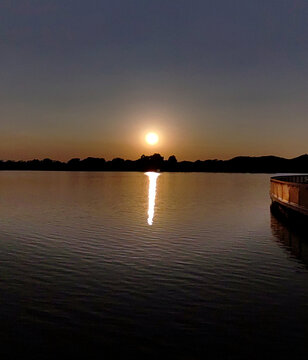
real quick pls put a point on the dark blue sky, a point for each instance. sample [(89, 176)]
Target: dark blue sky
[(214, 79)]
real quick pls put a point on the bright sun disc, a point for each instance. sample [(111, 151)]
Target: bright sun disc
[(151, 138)]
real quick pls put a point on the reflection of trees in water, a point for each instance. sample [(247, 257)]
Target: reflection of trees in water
[(294, 240)]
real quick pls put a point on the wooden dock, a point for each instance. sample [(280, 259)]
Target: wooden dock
[(289, 196)]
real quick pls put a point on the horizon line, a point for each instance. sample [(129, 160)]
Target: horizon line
[(165, 158)]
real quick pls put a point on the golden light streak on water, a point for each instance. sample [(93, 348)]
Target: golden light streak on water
[(152, 194)]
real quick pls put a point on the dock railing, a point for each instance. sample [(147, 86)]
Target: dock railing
[(291, 191)]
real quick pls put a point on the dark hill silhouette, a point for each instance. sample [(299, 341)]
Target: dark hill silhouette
[(241, 164)]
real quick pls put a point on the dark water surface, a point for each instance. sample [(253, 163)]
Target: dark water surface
[(81, 269)]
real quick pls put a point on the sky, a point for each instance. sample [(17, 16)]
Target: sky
[(213, 78)]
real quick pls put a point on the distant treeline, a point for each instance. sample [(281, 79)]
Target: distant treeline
[(262, 164)]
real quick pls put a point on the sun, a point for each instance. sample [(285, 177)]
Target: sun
[(151, 138)]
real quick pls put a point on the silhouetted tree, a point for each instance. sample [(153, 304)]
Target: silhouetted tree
[(93, 164), (172, 160), (150, 163), (74, 164), (171, 163), (117, 164)]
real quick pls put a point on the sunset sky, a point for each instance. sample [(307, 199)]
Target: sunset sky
[(214, 79)]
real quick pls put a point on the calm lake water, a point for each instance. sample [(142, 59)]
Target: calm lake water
[(182, 264)]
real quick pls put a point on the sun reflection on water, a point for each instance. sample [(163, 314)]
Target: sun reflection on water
[(152, 194)]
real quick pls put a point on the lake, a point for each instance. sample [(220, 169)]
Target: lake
[(180, 264)]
